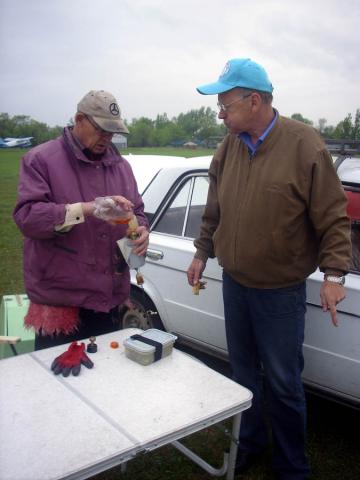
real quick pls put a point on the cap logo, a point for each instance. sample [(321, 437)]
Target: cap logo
[(114, 109), (225, 69)]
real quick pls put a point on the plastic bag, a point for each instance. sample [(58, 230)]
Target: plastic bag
[(107, 209)]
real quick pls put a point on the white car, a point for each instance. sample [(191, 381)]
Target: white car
[(174, 192)]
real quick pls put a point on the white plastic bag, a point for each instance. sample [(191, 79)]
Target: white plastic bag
[(107, 209)]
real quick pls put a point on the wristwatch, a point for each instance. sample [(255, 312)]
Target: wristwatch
[(335, 279)]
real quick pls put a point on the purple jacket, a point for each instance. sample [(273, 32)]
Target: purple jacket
[(84, 267)]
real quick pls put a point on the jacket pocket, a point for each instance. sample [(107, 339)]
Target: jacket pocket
[(77, 245)]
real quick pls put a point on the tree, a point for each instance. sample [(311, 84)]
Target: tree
[(356, 129), (165, 131), (140, 131), (300, 118), (198, 124), (328, 131), (144, 132), (322, 125), (194, 125), (5, 125), (162, 121), (344, 128), (25, 126)]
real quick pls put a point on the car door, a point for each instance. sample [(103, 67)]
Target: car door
[(198, 318), (332, 355)]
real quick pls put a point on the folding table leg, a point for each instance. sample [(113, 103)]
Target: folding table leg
[(13, 349), (215, 472), (233, 446), (229, 458)]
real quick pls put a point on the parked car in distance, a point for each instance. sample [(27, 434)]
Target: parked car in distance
[(174, 192)]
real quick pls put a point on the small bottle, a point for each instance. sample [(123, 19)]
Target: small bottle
[(134, 261)]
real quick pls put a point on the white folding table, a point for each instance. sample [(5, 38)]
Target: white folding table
[(53, 427)]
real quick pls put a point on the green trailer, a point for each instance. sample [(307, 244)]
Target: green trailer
[(12, 312)]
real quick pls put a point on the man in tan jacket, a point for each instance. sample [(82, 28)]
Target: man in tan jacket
[(275, 212)]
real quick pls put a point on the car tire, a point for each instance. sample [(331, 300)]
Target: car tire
[(144, 314)]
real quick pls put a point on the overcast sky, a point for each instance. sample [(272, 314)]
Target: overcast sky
[(151, 54)]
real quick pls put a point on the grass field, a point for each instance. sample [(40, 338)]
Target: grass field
[(178, 152), (333, 437), (10, 237)]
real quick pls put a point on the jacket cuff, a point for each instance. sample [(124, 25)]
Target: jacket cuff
[(201, 255), (333, 271), (74, 215)]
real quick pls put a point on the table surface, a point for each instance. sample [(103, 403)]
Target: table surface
[(53, 427)]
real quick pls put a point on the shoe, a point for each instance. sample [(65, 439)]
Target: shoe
[(244, 461)]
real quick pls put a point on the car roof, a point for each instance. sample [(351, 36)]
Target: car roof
[(156, 174), (147, 167), (349, 170)]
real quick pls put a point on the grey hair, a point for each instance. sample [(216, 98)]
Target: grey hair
[(266, 97)]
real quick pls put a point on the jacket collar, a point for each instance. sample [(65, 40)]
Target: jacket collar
[(110, 157)]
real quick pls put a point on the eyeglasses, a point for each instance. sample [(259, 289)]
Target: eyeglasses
[(99, 130), (224, 108)]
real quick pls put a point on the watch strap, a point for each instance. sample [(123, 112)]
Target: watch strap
[(338, 279)]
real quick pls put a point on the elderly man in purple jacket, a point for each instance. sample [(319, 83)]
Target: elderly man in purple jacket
[(75, 275)]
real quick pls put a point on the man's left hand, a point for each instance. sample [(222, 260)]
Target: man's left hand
[(331, 294), (141, 243)]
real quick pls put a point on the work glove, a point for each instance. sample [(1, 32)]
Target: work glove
[(71, 360)]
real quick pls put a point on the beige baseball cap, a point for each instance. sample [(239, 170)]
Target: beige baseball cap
[(103, 108)]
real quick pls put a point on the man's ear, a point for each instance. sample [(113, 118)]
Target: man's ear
[(79, 117), (256, 101), (255, 98), (79, 123)]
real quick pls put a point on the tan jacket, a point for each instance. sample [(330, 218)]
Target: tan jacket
[(273, 218)]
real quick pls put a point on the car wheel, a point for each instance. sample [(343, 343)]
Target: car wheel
[(144, 314)]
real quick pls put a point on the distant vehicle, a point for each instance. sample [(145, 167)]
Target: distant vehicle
[(15, 142), (174, 191), (343, 146)]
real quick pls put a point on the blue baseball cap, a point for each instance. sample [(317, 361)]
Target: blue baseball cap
[(239, 72)]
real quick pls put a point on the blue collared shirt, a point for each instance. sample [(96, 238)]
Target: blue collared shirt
[(247, 139)]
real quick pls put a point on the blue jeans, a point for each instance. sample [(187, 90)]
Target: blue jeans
[(265, 333)]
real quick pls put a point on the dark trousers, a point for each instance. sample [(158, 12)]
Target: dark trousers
[(91, 323), (265, 333)]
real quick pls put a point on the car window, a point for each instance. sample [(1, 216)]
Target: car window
[(197, 205), (352, 191), (172, 220), (182, 216), (355, 239)]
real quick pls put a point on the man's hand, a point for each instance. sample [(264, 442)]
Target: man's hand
[(115, 209), (195, 271), (331, 294), (141, 242), (88, 208), (123, 203)]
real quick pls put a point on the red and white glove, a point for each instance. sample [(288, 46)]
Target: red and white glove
[(71, 360)]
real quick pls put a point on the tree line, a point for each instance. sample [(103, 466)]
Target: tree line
[(25, 126), (196, 125), (199, 126), (347, 129)]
